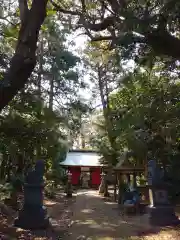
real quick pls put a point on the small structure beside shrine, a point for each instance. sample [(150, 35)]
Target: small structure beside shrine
[(85, 168), (129, 174), (128, 171)]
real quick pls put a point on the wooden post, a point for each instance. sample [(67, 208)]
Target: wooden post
[(115, 186), (128, 179), (119, 190), (134, 180)]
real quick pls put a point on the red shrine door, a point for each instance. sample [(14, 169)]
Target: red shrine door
[(76, 172), (95, 176)]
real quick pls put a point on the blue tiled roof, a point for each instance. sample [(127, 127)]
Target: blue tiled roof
[(82, 159)]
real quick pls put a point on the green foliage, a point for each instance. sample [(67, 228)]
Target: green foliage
[(5, 190), (50, 190), (36, 124), (145, 117), (147, 114)]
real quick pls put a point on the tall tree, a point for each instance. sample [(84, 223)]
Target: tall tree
[(146, 115), (42, 127), (105, 72)]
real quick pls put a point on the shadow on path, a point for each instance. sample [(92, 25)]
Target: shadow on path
[(93, 218)]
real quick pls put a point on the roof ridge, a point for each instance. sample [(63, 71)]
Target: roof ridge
[(83, 150)]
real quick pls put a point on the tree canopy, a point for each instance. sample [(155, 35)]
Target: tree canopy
[(138, 28), (129, 24)]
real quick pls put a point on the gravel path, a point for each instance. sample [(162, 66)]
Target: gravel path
[(93, 218)]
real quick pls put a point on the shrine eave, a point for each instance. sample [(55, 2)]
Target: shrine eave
[(82, 159)]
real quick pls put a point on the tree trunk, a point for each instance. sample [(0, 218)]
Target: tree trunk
[(39, 84), (51, 93), (20, 164), (8, 168), (104, 92), (83, 144), (24, 59), (82, 135), (3, 167), (40, 71)]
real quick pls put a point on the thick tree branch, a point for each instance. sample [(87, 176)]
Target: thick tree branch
[(115, 5), (170, 46), (24, 59), (23, 8), (106, 22), (164, 44), (102, 38)]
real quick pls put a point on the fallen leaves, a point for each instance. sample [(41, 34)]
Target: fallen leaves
[(59, 211)]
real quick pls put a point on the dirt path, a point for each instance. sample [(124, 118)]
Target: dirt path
[(93, 218)]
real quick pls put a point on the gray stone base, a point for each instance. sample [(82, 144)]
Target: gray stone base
[(32, 218), (106, 194), (162, 216)]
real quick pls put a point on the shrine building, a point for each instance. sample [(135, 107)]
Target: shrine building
[(84, 163)]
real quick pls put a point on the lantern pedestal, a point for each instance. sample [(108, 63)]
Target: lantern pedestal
[(161, 212)]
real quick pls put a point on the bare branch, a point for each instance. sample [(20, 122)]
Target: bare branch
[(83, 6), (102, 38), (60, 9), (106, 22), (6, 19), (114, 5), (117, 4)]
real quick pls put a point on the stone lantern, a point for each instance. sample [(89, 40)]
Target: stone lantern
[(103, 189), (69, 185), (33, 215)]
